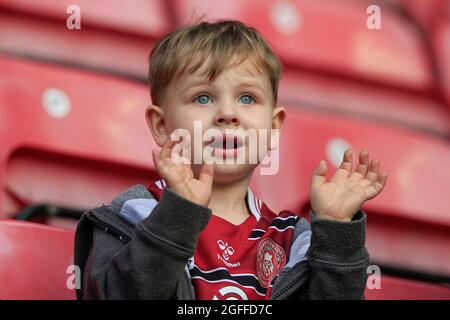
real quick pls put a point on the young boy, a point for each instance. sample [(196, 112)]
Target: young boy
[(199, 232)]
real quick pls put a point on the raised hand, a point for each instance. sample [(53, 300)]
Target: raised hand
[(342, 197), (180, 177)]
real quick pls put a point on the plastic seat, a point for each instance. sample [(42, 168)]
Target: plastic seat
[(35, 261), (427, 13), (113, 36), (442, 50), (403, 289), (69, 138), (149, 18), (362, 101), (89, 47), (329, 36)]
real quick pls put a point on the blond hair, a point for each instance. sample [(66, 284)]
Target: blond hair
[(220, 44)]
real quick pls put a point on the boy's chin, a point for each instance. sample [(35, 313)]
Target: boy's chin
[(226, 173)]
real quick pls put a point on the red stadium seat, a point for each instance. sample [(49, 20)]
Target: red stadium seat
[(358, 100), (412, 246), (114, 36), (329, 36), (427, 13), (69, 138), (89, 47), (402, 289), (35, 262), (149, 18), (442, 50)]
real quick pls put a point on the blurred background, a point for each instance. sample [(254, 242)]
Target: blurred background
[(73, 133)]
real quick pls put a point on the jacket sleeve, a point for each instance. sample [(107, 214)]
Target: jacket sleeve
[(152, 264), (337, 259)]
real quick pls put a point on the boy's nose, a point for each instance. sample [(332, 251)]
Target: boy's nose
[(224, 120), (227, 116)]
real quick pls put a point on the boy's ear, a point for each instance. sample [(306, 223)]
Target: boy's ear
[(155, 121), (279, 114)]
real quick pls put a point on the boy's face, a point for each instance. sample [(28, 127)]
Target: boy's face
[(238, 98)]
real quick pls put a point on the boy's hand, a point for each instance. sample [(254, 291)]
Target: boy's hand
[(342, 197), (180, 177)]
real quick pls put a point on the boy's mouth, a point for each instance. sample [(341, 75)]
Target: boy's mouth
[(226, 141)]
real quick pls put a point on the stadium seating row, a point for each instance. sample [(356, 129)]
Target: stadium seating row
[(28, 272)]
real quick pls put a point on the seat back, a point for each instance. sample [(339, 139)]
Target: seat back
[(329, 35), (36, 261), (402, 289), (66, 138)]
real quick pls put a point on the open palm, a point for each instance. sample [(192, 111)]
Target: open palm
[(342, 197)]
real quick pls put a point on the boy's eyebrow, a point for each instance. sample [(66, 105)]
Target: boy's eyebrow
[(194, 84), (250, 84), (244, 84)]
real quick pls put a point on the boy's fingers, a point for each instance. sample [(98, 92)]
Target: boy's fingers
[(374, 169), (156, 159), (373, 189), (345, 168), (363, 165), (347, 161), (167, 148), (319, 174), (155, 156), (207, 173), (184, 151), (381, 182)]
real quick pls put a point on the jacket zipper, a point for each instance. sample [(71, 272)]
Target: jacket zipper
[(110, 229), (285, 289), (289, 286)]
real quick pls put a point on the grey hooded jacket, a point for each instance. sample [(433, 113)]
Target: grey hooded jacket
[(124, 254)]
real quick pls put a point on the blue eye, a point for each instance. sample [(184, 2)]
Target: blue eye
[(246, 99), (202, 99)]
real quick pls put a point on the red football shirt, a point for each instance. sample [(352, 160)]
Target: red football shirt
[(240, 262)]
